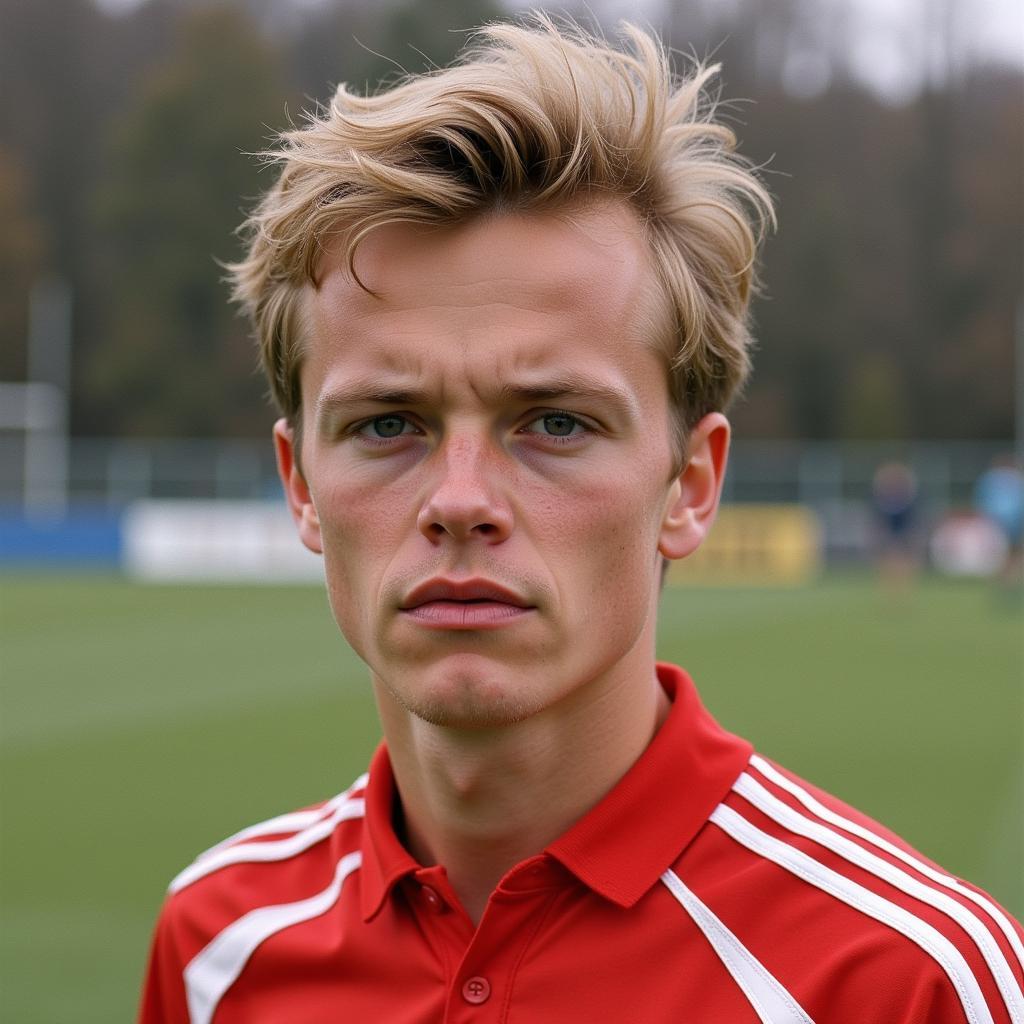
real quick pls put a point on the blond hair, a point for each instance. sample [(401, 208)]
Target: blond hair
[(532, 117)]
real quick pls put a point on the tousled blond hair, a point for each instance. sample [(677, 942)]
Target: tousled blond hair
[(533, 117)]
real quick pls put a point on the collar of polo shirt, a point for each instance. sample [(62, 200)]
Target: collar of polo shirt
[(621, 847)]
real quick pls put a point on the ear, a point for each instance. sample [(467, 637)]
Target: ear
[(693, 497), (296, 490)]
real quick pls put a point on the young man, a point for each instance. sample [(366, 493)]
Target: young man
[(502, 308)]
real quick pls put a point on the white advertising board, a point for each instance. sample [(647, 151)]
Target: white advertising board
[(215, 541)]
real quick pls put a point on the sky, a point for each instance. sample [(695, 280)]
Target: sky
[(993, 28), (886, 40)]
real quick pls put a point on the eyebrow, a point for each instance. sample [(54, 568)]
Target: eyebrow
[(371, 391), (570, 385), (367, 391)]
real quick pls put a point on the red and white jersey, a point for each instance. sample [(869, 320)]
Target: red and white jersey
[(709, 886)]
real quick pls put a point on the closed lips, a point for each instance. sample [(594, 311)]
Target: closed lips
[(463, 591)]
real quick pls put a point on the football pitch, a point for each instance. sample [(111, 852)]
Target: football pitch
[(141, 724)]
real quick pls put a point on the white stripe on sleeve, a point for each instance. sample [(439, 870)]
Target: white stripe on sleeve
[(932, 941), (768, 997), (793, 820), (275, 849), (815, 806), (294, 821), (214, 969)]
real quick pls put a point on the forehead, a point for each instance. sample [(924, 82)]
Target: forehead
[(505, 291)]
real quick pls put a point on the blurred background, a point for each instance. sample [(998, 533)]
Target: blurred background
[(857, 611), (891, 134)]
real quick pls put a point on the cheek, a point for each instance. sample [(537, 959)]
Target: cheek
[(358, 510), (362, 529), (607, 531)]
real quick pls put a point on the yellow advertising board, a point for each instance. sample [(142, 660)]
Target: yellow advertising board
[(755, 545)]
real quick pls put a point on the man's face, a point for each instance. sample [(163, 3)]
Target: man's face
[(487, 460)]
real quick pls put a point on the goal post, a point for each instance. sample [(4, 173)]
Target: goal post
[(39, 410)]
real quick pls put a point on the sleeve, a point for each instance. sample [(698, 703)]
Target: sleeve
[(931, 998), (963, 981), (163, 990)]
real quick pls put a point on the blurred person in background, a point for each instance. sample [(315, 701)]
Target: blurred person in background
[(503, 308), (999, 497), (894, 499)]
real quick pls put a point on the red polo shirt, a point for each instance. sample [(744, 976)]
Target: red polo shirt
[(707, 886)]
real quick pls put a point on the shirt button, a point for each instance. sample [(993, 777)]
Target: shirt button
[(476, 990), (432, 899)]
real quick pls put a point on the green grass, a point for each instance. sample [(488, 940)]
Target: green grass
[(141, 724)]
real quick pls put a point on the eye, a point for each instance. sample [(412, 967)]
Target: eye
[(383, 428), (557, 424)]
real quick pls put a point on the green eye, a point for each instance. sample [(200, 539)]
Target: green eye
[(385, 426), (559, 424)]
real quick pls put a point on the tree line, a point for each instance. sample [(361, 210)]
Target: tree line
[(890, 288)]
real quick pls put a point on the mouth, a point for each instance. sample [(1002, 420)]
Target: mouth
[(474, 604)]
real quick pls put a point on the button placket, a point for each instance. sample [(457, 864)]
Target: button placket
[(486, 978), (444, 926)]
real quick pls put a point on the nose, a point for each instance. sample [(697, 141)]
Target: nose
[(466, 499)]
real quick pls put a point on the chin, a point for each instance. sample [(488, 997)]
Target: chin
[(460, 698)]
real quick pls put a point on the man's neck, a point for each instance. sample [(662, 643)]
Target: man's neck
[(480, 801)]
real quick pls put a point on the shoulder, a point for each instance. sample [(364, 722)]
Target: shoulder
[(276, 862), (843, 911), (252, 885), (232, 897), (277, 838)]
